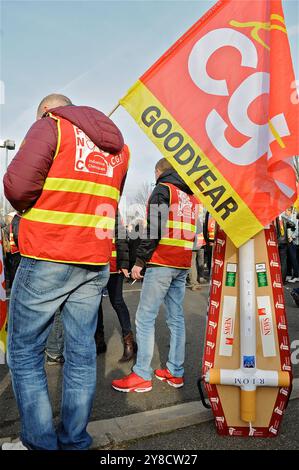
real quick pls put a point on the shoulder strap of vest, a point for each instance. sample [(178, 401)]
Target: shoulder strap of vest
[(169, 186), (57, 119)]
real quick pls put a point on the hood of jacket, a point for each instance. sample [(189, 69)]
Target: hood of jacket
[(171, 176), (95, 124)]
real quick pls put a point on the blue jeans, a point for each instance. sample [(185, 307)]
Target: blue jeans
[(55, 343), (39, 289), (168, 285)]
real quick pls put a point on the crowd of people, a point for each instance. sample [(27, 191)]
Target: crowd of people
[(69, 243)]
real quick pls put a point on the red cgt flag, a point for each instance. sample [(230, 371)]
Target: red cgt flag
[(222, 107)]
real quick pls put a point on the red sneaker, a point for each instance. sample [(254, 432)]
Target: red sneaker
[(166, 376), (132, 383)]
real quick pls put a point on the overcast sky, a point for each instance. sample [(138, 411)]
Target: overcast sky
[(93, 51)]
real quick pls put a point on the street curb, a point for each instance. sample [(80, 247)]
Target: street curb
[(108, 432), (147, 423)]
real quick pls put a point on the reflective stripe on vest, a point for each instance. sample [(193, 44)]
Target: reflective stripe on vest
[(176, 242), (66, 218), (200, 240), (175, 247), (180, 225), (211, 229), (73, 219), (113, 258), (85, 187), (281, 227)]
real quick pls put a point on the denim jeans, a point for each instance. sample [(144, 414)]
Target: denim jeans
[(39, 289), (168, 285), (55, 343)]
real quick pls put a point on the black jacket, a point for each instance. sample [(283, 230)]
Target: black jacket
[(156, 221), (121, 244), (15, 228), (282, 238)]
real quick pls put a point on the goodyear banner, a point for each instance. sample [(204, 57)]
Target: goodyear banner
[(3, 310), (222, 107)]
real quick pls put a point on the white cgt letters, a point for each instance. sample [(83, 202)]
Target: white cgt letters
[(251, 88)]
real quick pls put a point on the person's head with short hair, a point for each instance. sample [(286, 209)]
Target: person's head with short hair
[(161, 166), (52, 101)]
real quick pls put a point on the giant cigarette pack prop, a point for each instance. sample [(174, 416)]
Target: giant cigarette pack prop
[(246, 365)]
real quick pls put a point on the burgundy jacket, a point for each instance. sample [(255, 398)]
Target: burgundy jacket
[(26, 174)]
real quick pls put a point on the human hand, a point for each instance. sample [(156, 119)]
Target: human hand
[(125, 272), (136, 272)]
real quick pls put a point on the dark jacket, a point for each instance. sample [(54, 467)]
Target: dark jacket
[(15, 228), (159, 197), (121, 244), (135, 237), (282, 238), (26, 175)]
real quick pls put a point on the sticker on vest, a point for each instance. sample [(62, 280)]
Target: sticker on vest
[(185, 208), (90, 159)]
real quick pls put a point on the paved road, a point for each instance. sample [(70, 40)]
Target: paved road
[(204, 437), (109, 403)]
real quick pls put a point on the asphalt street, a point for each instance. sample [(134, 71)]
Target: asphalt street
[(204, 437)]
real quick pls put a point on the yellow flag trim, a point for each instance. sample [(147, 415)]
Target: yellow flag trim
[(239, 225)]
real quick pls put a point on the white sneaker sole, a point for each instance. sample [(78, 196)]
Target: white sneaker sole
[(138, 390), (169, 382)]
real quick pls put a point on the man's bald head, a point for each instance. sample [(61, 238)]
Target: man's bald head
[(52, 101)]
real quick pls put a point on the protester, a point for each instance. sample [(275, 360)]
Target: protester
[(166, 254), (292, 248), (296, 235), (284, 226), (209, 236), (135, 236), (54, 347), (63, 175), (196, 274), (119, 268), (10, 246), (201, 243), (282, 241)]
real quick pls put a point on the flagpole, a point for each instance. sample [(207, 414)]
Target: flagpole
[(114, 109)]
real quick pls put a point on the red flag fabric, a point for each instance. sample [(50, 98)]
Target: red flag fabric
[(221, 107)]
